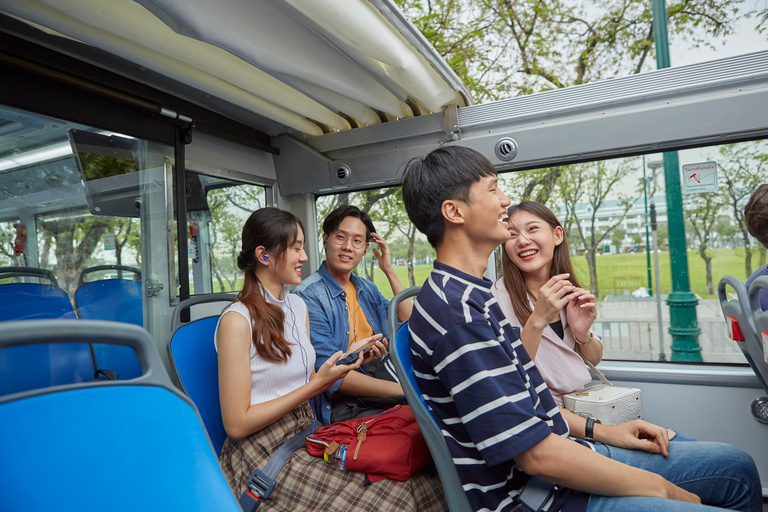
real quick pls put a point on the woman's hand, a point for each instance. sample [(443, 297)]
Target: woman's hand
[(552, 297), (581, 313), (330, 372), (635, 435)]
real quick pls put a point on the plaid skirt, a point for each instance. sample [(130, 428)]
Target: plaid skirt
[(309, 483)]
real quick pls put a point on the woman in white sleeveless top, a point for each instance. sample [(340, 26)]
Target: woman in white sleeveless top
[(267, 377)]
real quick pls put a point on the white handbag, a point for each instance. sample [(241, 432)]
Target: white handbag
[(605, 402)]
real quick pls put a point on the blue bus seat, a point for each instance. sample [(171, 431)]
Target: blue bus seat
[(759, 350), (38, 366), (122, 446), (402, 359), (741, 325), (33, 301), (119, 300), (193, 357)]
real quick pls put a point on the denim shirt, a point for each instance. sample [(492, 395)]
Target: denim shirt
[(329, 321)]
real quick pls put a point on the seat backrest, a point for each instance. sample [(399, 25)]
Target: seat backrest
[(28, 272), (31, 301), (759, 349), (193, 357), (129, 446), (30, 367), (402, 359), (118, 300), (741, 325)]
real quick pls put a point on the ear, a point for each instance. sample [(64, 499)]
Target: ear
[(559, 235), (325, 238), (261, 251), (452, 210)]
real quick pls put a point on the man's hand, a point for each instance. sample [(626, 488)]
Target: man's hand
[(635, 435), (382, 253)]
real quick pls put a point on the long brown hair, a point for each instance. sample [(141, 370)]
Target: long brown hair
[(514, 281), (275, 230)]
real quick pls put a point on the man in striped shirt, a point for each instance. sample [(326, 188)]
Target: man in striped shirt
[(496, 413)]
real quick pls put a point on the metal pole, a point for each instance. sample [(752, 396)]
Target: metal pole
[(662, 355), (647, 243), (682, 303)]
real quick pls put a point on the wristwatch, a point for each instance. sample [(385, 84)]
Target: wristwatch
[(589, 429)]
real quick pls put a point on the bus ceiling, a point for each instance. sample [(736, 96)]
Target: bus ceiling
[(278, 66)]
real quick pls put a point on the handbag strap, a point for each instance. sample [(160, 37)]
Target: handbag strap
[(597, 372)]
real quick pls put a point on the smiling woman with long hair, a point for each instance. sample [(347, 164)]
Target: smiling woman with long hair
[(540, 293)]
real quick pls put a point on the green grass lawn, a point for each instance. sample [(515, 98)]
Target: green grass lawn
[(612, 266)]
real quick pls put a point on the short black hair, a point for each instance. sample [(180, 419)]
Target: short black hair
[(445, 173), (337, 216)]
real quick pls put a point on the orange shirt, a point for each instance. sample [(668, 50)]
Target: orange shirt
[(359, 328)]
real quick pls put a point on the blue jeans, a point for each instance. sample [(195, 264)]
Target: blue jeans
[(720, 474)]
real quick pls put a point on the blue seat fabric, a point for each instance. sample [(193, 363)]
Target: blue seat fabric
[(119, 448), (196, 361), (454, 493), (118, 300), (30, 301)]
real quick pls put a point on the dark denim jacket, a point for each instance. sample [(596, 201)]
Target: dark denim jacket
[(329, 321)]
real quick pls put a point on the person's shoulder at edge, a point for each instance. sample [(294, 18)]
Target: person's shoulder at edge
[(313, 279), (762, 271)]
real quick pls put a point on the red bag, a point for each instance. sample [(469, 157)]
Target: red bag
[(386, 445)]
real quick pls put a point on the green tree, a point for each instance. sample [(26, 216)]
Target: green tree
[(702, 215), (617, 238), (590, 184), (742, 167), (75, 237), (507, 48)]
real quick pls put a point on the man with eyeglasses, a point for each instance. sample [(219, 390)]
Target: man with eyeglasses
[(344, 308)]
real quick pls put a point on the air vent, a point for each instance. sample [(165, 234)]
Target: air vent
[(506, 149), (343, 173)]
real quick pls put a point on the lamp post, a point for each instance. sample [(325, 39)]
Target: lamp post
[(644, 179), (655, 248), (682, 303)]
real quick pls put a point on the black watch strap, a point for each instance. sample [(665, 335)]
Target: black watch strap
[(589, 430)]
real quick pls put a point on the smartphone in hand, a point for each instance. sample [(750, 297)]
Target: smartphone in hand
[(352, 358)]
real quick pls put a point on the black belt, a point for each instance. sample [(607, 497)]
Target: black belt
[(262, 482)]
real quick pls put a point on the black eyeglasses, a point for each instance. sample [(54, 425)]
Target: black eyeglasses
[(341, 240)]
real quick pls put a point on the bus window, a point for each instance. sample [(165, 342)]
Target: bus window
[(217, 209), (606, 209), (75, 199)]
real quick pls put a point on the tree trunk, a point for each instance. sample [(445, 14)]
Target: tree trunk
[(409, 255), (591, 261), (761, 250), (708, 264), (747, 253)]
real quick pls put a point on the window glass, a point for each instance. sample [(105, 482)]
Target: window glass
[(605, 208), (215, 228)]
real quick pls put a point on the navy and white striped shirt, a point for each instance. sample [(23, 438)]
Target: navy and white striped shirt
[(484, 391)]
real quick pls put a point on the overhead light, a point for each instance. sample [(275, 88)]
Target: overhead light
[(36, 156)]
